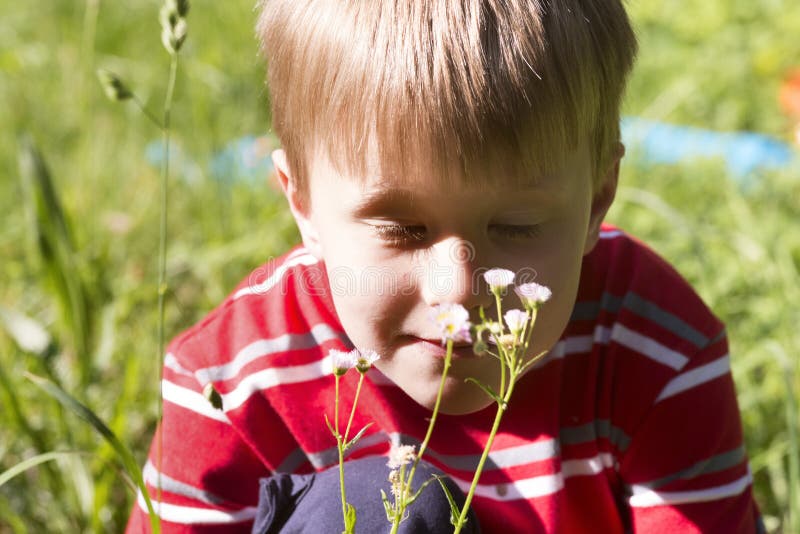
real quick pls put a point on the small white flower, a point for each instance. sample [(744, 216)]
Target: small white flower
[(532, 294), (507, 341), (494, 327), (452, 321), (498, 279), (516, 319), (364, 359), (400, 455), (342, 361)]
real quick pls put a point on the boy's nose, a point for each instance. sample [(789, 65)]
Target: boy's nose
[(454, 275)]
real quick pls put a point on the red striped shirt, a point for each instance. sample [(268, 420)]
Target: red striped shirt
[(629, 423)]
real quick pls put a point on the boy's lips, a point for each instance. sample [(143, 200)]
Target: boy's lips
[(435, 348)]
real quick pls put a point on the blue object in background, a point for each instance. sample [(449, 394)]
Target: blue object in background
[(743, 152), (247, 159), (182, 167)]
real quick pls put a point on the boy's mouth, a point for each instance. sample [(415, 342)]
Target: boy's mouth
[(434, 348)]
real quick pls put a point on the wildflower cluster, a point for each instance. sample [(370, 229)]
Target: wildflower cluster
[(507, 338), (342, 362), (512, 338), (399, 457)]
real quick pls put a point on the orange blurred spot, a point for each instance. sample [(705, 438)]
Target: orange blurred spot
[(790, 94)]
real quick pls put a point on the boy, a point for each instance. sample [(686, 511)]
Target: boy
[(426, 141)]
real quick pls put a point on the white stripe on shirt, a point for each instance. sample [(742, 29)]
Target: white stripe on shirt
[(275, 376), (540, 486), (190, 515), (610, 234), (191, 400), (695, 377), (176, 487), (171, 362), (648, 347), (645, 497), (302, 258), (319, 334)]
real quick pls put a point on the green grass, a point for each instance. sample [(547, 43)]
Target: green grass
[(88, 277)]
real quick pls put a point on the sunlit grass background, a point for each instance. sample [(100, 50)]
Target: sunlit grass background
[(716, 64)]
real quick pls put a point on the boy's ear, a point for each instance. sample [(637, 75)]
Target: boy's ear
[(603, 198), (299, 204)]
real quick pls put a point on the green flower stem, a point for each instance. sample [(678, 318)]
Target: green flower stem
[(514, 368), (528, 334), (353, 409), (501, 408), (162, 254), (500, 348), (340, 447), (407, 484)]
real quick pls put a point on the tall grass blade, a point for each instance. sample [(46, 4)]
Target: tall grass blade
[(53, 243), (792, 424), (123, 453), (33, 461)]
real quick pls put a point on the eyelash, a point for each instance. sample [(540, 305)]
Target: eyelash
[(399, 234), (513, 231)]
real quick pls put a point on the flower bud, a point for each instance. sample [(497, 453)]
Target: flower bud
[(342, 361), (508, 341), (494, 327), (114, 88), (364, 360), (181, 7), (173, 38), (173, 26)]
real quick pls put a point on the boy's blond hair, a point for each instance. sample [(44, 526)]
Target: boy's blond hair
[(457, 88)]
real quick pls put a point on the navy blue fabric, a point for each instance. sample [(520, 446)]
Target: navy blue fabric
[(312, 503)]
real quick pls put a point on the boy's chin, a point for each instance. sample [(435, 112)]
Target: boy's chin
[(465, 401)]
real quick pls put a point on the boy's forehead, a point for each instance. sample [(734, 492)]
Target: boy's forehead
[(379, 183)]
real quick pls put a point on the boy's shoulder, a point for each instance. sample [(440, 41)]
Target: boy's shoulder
[(644, 324), (624, 278), (280, 308)]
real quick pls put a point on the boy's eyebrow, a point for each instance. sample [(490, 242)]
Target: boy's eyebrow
[(378, 199)]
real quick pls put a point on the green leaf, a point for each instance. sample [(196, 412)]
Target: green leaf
[(123, 453), (333, 431), (486, 389), (350, 519), (388, 507), (419, 490), (356, 437), (454, 511), (33, 461), (530, 362)]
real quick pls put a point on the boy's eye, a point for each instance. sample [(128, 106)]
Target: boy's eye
[(515, 231), (398, 234)]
